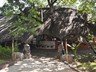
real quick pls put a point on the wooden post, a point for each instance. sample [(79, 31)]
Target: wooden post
[(66, 46), (62, 44), (67, 56), (41, 15), (94, 40), (12, 47)]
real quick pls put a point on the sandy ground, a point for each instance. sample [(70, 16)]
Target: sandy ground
[(42, 64), (41, 61)]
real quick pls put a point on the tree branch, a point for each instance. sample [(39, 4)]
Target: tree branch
[(51, 2)]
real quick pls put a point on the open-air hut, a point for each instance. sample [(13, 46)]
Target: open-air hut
[(6, 37), (65, 23)]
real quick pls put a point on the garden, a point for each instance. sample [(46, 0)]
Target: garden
[(45, 25)]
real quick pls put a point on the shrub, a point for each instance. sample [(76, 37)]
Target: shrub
[(5, 52), (2, 61)]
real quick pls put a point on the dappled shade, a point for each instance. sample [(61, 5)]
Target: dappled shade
[(64, 23)]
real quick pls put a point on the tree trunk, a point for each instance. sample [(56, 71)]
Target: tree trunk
[(51, 2)]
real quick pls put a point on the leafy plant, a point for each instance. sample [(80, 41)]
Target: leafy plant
[(87, 67), (74, 47), (5, 52), (2, 61)]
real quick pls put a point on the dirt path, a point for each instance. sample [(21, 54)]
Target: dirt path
[(42, 61), (42, 64)]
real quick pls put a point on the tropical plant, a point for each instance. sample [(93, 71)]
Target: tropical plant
[(74, 48), (24, 17)]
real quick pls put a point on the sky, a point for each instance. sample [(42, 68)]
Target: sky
[(2, 2)]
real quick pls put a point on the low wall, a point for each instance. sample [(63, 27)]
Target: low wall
[(47, 44)]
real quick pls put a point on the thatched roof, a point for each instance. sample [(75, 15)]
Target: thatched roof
[(64, 22), (5, 25), (59, 22)]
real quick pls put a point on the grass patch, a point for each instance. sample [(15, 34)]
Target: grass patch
[(2, 61), (88, 66), (87, 63)]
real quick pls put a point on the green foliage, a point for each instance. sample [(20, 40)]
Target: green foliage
[(39, 3), (7, 10), (86, 6), (2, 61), (5, 52), (74, 47), (87, 67), (22, 21), (83, 6), (89, 7), (90, 37), (29, 20), (68, 2)]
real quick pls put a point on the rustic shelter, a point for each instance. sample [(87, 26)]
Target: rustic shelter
[(65, 23), (62, 23), (6, 37)]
